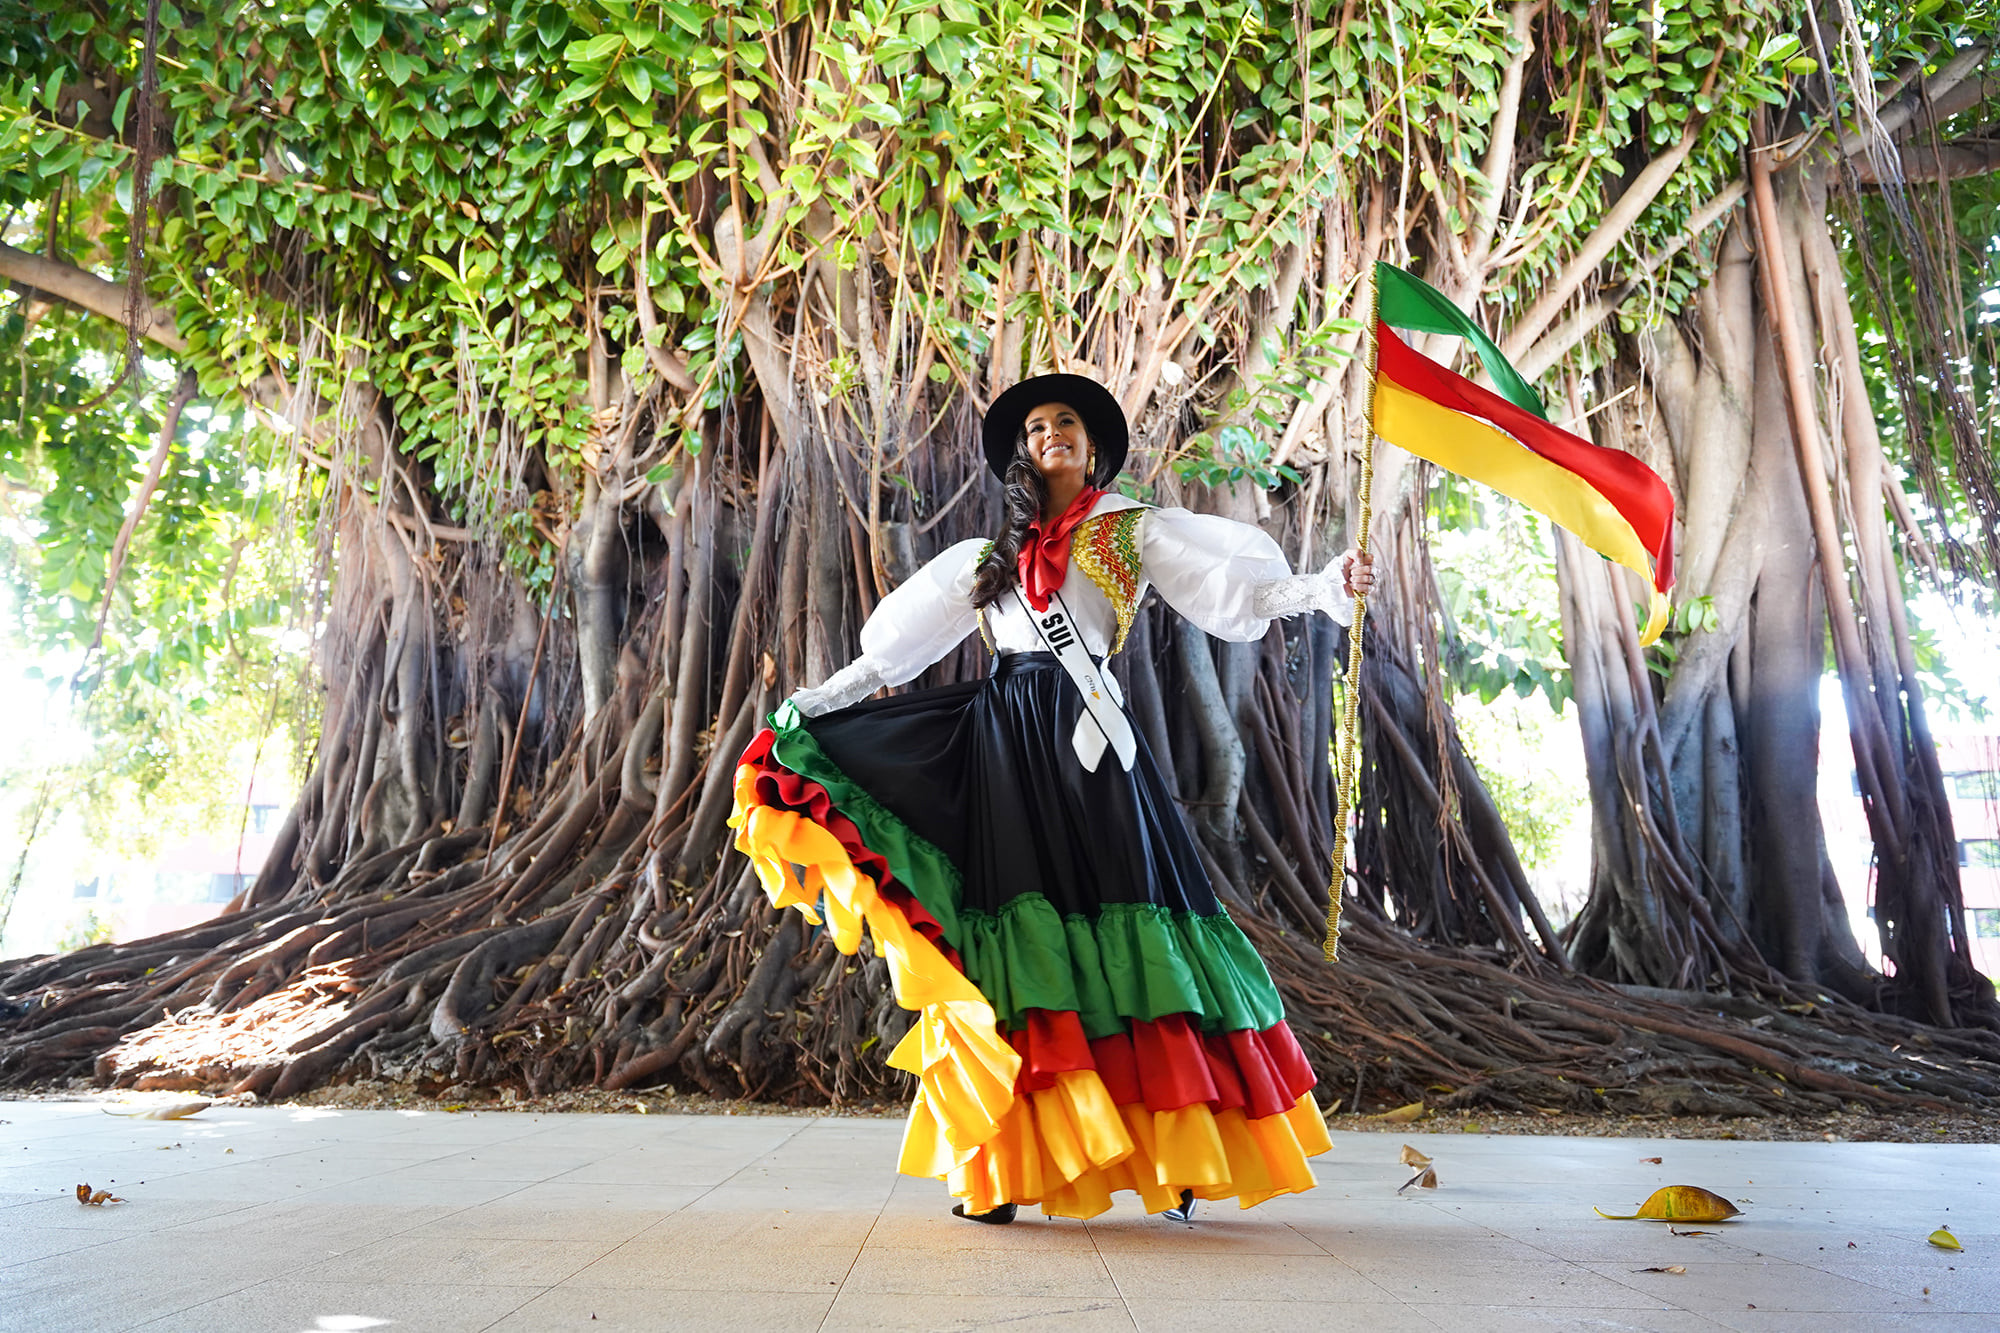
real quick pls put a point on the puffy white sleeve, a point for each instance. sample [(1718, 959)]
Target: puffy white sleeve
[(915, 625), (1230, 578), (1209, 568)]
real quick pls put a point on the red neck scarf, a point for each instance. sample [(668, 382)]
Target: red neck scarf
[(1045, 554)]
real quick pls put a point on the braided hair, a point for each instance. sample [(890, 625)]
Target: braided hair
[(1023, 492)]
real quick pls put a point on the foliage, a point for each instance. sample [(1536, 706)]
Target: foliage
[(88, 929), (1496, 577), (1233, 455), (196, 641), (1532, 763), (456, 198), (1922, 264)]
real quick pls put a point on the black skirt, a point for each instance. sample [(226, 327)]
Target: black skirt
[(985, 770)]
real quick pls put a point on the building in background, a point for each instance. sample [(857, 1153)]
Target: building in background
[(190, 880), (78, 891), (1971, 764)]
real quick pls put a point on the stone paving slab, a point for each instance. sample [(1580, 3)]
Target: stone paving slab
[(296, 1220)]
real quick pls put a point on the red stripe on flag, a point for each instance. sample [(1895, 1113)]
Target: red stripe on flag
[(1632, 488)]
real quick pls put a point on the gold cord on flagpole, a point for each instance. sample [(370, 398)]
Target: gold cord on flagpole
[(1346, 771)]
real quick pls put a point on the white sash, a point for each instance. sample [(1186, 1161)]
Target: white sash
[(1104, 717)]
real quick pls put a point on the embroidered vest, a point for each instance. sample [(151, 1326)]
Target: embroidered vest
[(1106, 549)]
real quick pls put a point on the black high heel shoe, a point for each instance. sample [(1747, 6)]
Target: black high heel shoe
[(997, 1217), (1184, 1213)]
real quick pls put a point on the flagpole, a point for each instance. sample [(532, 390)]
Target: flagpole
[(1346, 771)]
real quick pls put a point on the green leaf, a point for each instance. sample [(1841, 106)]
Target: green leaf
[(684, 16), (349, 57), (594, 50), (1778, 47), (552, 25)]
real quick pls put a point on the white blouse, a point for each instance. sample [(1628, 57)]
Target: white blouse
[(1210, 569)]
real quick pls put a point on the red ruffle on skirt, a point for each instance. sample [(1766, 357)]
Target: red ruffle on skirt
[(779, 786), (1168, 1063)]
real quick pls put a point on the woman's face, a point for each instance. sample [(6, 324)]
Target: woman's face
[(1056, 442)]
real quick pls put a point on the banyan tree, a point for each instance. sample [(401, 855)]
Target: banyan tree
[(577, 376)]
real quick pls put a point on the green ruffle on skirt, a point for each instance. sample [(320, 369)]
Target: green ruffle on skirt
[(914, 860), (1133, 961)]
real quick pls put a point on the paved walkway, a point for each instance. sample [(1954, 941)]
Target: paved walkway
[(284, 1220)]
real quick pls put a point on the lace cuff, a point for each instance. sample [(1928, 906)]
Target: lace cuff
[(849, 685), (1276, 598)]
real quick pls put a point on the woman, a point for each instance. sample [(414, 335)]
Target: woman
[(1091, 1019)]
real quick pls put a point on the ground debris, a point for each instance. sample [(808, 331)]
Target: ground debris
[(1853, 1125)]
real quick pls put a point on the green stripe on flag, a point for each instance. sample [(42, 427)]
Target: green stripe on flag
[(1405, 302)]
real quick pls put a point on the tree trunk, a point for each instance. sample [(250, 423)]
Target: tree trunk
[(1709, 855)]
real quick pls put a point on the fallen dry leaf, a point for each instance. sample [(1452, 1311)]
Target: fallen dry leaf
[(178, 1111), (1426, 1178), (1402, 1115), (1678, 1232), (1669, 1268), (1653, 1160), (1411, 1157), (95, 1198), (1679, 1203), (1944, 1240)]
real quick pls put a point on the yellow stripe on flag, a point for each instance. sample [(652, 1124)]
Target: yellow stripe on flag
[(1472, 448)]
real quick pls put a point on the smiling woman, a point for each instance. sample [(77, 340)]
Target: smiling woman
[(1092, 1019)]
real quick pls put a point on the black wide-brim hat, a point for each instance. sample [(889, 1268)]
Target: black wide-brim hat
[(1103, 420)]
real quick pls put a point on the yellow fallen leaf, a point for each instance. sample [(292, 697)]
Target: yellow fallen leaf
[(95, 1198), (1426, 1178), (1411, 1157), (1676, 1269), (1679, 1203), (1402, 1115), (1944, 1240)]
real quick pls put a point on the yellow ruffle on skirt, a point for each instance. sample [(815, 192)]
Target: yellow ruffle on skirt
[(1067, 1148)]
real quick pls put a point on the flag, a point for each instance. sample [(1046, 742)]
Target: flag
[(1614, 503)]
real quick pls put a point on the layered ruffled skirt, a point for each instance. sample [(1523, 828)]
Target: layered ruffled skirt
[(1089, 1018)]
